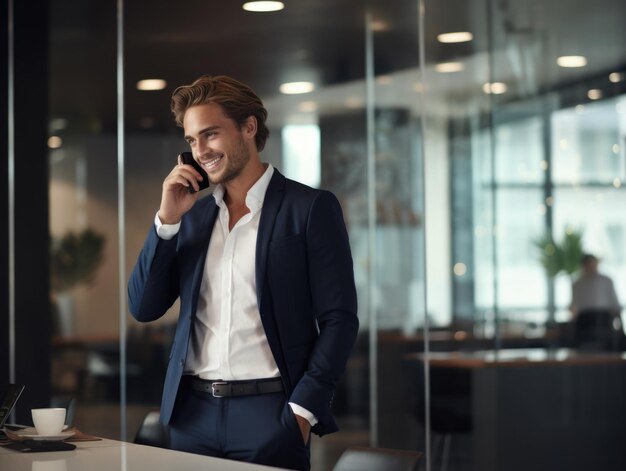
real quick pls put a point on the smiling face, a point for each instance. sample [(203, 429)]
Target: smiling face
[(217, 143)]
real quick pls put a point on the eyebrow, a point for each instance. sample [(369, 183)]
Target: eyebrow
[(210, 128)]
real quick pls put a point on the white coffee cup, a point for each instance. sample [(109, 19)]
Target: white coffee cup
[(48, 421)]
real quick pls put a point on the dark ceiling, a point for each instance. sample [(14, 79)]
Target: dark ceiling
[(318, 40)]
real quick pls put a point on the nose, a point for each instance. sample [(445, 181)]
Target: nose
[(202, 148)]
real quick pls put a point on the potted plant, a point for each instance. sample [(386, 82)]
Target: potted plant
[(74, 260), (563, 257), (557, 258)]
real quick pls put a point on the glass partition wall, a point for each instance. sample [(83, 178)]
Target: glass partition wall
[(536, 155), (477, 149), (84, 245)]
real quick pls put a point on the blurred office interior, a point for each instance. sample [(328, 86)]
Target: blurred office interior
[(477, 147)]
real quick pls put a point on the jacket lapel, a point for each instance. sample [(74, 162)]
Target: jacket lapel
[(271, 205)]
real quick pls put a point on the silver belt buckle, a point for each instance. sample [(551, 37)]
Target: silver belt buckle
[(217, 383)]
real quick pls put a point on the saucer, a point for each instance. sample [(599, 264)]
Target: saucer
[(32, 434)]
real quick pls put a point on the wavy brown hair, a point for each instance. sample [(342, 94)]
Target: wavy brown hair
[(238, 101)]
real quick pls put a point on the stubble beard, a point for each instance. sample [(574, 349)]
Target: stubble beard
[(236, 162)]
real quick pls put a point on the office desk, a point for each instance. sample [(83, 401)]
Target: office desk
[(537, 409), (111, 455), (520, 357)]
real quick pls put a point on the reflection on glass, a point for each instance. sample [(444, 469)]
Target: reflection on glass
[(83, 216)]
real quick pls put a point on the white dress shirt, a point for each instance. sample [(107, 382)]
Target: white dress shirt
[(228, 341), (594, 291)]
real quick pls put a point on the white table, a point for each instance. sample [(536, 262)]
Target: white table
[(111, 455)]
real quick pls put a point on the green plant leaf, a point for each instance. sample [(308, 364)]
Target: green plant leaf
[(566, 256), (550, 254), (75, 258), (572, 250)]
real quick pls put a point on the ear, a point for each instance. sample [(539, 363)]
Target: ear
[(249, 127)]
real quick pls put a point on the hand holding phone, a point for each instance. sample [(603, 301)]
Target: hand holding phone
[(187, 158)]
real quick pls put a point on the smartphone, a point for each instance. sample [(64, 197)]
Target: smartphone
[(187, 158)]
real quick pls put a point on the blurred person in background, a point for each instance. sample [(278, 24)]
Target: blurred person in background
[(595, 308)]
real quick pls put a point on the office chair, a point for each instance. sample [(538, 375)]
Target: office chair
[(594, 331), (151, 432), (358, 458)]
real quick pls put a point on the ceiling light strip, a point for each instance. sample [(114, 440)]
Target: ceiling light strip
[(151, 84), (571, 61), (455, 37), (449, 67), (263, 7), (296, 88)]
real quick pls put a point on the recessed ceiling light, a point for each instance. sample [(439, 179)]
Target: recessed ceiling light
[(151, 84), (594, 94), (294, 88), (616, 77), (459, 269), (263, 7), (456, 37), (572, 61), (54, 142), (447, 67), (384, 79), (497, 88)]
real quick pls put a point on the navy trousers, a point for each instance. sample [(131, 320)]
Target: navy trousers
[(259, 429)]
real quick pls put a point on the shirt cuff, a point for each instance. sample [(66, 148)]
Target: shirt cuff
[(165, 231), (302, 412)]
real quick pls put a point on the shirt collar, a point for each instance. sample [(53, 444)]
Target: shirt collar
[(256, 194)]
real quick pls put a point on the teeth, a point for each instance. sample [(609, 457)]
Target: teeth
[(213, 161)]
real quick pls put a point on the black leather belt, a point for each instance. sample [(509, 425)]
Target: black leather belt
[(237, 388)]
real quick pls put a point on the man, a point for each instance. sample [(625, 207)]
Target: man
[(593, 291), (595, 308), (267, 298)]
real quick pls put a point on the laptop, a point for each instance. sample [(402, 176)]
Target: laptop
[(12, 394)]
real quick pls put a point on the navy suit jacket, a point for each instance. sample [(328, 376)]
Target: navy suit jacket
[(305, 290)]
